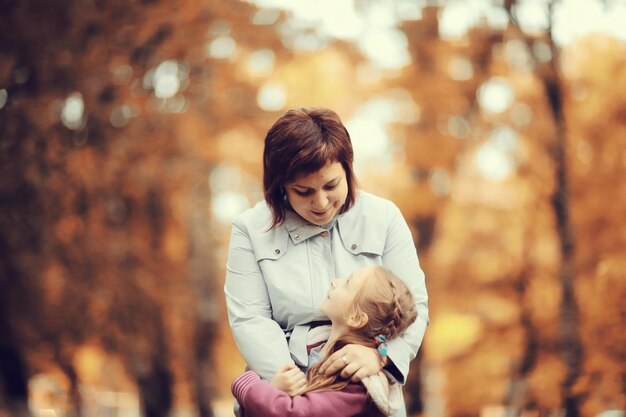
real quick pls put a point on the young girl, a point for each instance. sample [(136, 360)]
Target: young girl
[(368, 308)]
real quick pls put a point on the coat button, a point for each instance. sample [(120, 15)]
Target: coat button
[(277, 251), (353, 246), (296, 237), (324, 233)]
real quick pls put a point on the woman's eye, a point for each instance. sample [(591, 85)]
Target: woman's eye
[(331, 187), (303, 193)]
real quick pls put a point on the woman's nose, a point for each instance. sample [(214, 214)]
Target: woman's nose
[(320, 200)]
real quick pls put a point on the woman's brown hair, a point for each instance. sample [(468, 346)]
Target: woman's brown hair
[(390, 309), (303, 141)]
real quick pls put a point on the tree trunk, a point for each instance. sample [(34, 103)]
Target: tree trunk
[(74, 400), (201, 280), (20, 243), (155, 383), (571, 344), (13, 376), (570, 340)]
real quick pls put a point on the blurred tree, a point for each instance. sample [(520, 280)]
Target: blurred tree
[(571, 346), (108, 137), (503, 262)]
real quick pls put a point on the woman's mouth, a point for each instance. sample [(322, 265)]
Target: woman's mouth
[(320, 213)]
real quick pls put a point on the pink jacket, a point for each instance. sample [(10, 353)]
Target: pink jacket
[(258, 398)]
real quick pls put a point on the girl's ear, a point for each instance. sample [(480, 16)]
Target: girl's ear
[(357, 320)]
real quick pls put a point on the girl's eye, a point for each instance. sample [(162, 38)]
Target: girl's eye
[(303, 193), (331, 187)]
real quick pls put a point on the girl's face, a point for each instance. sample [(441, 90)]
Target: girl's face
[(341, 294), (319, 196)]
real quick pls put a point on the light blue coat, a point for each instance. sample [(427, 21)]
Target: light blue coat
[(276, 280)]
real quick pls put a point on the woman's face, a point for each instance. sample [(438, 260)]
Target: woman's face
[(319, 196)]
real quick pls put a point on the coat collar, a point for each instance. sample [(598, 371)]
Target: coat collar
[(361, 229), (299, 229)]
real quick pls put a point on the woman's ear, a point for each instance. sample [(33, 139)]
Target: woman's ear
[(357, 320)]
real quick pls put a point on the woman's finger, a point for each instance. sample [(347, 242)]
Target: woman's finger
[(359, 375), (335, 362), (349, 370), (336, 365)]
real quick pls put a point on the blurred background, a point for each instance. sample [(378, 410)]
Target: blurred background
[(131, 132)]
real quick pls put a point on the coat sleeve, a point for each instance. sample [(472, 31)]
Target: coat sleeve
[(400, 256), (259, 338), (258, 398)]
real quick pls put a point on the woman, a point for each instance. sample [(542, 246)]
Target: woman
[(369, 308), (313, 226)]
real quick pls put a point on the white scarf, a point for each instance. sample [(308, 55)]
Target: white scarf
[(386, 396)]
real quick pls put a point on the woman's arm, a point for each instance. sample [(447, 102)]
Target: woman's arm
[(259, 338), (259, 398), (400, 256)]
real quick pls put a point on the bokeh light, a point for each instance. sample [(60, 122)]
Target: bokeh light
[(261, 62), (226, 205), (459, 127), (4, 96), (575, 18), (495, 95), (532, 15), (72, 114), (222, 47), (369, 139), (460, 68), (272, 96), (495, 159), (166, 79), (439, 181), (266, 16)]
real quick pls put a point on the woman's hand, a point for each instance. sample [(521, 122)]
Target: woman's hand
[(290, 379), (354, 361)]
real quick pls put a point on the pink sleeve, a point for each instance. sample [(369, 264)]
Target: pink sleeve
[(259, 398)]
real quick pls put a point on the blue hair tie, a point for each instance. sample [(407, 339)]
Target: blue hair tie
[(381, 345)]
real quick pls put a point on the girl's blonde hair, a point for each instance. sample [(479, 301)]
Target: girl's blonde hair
[(390, 309)]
